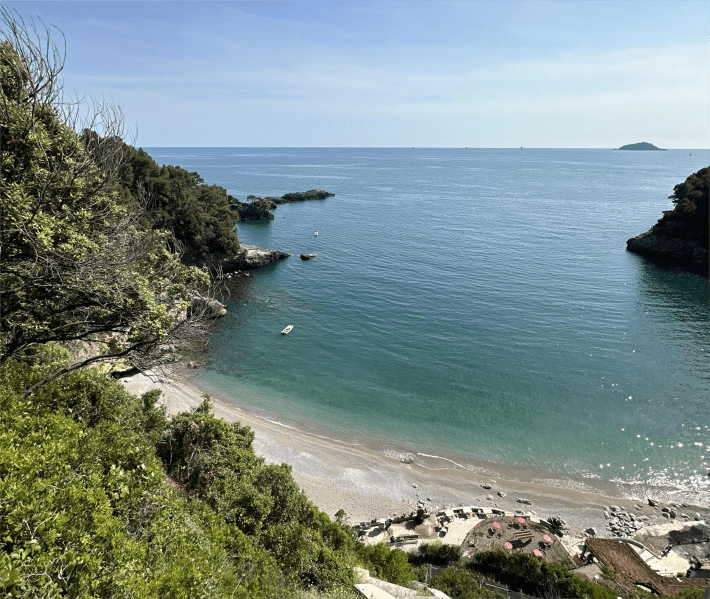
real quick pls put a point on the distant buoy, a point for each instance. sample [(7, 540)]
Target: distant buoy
[(315, 234)]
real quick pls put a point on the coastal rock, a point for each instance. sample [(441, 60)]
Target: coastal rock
[(652, 502), (207, 307), (525, 501), (681, 235), (250, 257), (308, 256), (486, 486), (591, 531), (501, 494), (660, 245)]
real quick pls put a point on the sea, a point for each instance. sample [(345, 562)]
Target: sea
[(473, 304)]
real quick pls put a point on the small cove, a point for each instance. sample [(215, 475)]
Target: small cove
[(471, 303)]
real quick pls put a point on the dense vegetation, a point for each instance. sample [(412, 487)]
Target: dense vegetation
[(103, 496), (100, 494), (691, 202), (198, 215)]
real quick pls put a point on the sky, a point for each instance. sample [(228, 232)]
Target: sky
[(547, 74)]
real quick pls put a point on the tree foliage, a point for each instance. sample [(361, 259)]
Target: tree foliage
[(535, 576), (458, 583), (689, 218), (390, 565), (437, 554), (76, 264), (87, 508), (197, 215)]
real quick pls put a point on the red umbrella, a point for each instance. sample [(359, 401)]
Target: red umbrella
[(547, 539), (508, 545), (521, 520), (537, 552), (497, 525)]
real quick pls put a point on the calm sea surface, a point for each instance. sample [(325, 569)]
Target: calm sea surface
[(475, 303)]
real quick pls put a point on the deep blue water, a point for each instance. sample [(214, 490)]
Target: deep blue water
[(478, 303)]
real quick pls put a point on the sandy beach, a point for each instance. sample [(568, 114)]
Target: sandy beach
[(369, 484)]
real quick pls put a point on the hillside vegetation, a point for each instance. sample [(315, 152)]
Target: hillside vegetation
[(100, 494)]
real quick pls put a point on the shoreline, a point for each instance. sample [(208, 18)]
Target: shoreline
[(374, 482)]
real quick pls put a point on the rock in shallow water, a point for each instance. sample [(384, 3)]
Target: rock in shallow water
[(250, 257)]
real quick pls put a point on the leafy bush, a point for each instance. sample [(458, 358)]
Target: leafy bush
[(390, 565), (460, 584), (437, 554), (535, 576), (86, 509)]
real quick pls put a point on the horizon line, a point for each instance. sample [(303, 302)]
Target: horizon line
[(424, 148)]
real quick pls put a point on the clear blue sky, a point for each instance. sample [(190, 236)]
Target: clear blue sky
[(478, 74)]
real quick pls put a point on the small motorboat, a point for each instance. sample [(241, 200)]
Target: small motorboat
[(287, 330), (315, 234)]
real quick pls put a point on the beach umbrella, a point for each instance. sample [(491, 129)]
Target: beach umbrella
[(496, 525), (508, 545), (547, 539), (538, 552), (521, 520)]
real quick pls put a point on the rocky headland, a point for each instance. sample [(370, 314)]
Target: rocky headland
[(256, 208), (681, 235), (642, 145)]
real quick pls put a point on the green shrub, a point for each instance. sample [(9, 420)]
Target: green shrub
[(461, 584), (388, 564), (535, 576), (437, 554)]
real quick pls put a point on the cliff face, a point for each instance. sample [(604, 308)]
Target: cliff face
[(681, 235)]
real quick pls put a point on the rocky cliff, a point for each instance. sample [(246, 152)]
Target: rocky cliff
[(250, 257), (681, 235)]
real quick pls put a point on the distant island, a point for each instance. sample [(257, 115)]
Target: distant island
[(642, 145), (681, 235)]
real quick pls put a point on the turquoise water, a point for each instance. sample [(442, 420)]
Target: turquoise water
[(478, 303)]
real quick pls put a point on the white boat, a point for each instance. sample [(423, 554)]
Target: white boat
[(287, 330), (315, 234)]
